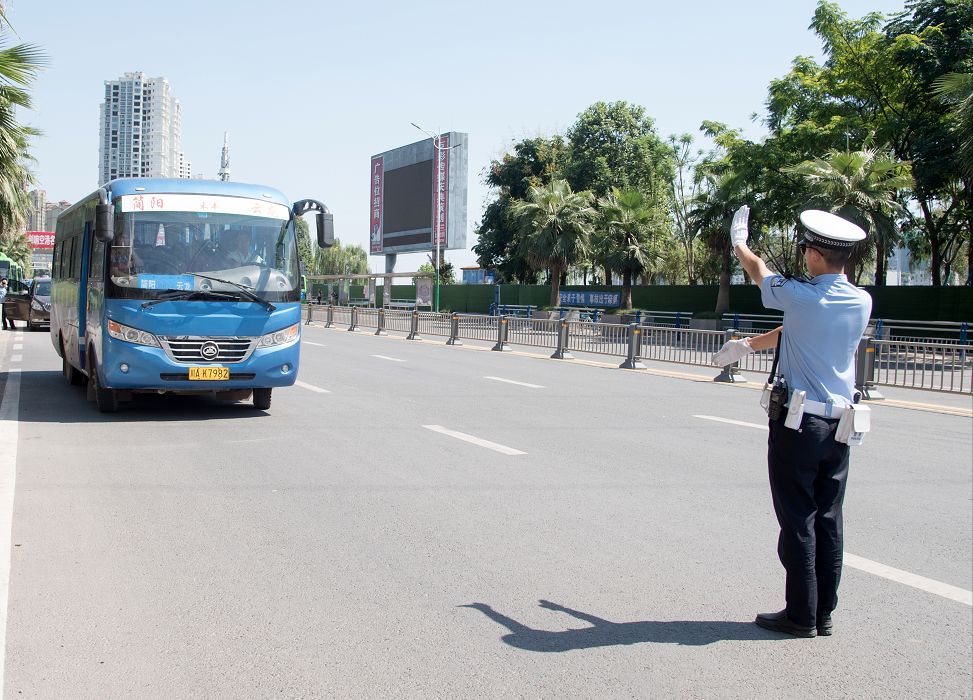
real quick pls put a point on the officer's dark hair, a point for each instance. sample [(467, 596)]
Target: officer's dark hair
[(835, 258)]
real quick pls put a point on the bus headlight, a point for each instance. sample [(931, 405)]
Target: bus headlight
[(281, 337), (131, 335)]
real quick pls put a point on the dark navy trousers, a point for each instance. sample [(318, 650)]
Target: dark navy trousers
[(808, 472)]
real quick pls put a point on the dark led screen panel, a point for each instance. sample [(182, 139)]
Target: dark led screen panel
[(408, 203)]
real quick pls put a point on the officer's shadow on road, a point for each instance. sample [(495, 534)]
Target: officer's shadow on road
[(603, 633)]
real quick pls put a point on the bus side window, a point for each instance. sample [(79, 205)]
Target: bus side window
[(76, 261), (56, 261), (96, 267), (75, 264)]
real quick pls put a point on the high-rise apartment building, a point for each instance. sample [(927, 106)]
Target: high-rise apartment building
[(140, 131), (37, 220)]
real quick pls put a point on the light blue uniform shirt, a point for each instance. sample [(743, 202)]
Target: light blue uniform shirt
[(823, 323)]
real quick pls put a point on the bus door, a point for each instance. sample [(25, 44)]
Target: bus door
[(95, 288), (83, 294)]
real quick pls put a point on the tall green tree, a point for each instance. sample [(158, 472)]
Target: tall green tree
[(956, 90), (874, 88), (862, 186), (305, 251), (555, 226), (340, 260), (630, 236), (710, 215), (683, 187), (533, 162), (615, 145), (930, 39)]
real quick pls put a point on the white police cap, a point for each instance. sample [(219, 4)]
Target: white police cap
[(827, 230)]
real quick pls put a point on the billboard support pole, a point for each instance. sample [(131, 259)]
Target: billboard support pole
[(438, 148)]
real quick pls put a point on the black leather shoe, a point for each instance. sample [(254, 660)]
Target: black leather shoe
[(779, 622), (825, 626)]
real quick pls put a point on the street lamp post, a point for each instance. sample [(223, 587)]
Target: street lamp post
[(438, 148)]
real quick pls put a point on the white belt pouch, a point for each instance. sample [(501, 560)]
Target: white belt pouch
[(853, 424)]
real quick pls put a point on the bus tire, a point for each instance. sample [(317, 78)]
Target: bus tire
[(71, 374), (261, 398), (105, 399)]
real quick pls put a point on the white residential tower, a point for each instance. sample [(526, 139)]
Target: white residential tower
[(140, 130)]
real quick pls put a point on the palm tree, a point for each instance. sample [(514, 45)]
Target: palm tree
[(861, 186), (555, 227), (709, 217), (956, 89), (19, 65), (629, 226)]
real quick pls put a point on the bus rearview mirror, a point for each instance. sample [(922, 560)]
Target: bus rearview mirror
[(325, 226), (103, 223)]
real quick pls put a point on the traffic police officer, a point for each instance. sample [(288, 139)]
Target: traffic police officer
[(823, 323)]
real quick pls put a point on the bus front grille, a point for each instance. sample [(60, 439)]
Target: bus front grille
[(196, 349)]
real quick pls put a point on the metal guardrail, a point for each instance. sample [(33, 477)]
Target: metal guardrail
[(933, 366)]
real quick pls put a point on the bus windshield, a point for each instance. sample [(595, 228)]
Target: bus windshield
[(251, 244)]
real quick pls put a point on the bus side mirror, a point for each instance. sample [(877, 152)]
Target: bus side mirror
[(103, 223), (325, 226)]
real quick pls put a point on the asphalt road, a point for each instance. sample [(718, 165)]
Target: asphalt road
[(409, 522)]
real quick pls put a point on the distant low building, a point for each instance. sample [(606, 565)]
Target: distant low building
[(52, 211), (477, 275)]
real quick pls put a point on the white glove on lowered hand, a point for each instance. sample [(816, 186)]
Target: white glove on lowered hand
[(738, 229), (731, 351)]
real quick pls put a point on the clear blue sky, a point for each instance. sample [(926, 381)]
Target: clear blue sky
[(310, 90)]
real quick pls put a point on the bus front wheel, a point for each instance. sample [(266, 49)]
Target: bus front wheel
[(105, 399), (261, 398), (72, 375)]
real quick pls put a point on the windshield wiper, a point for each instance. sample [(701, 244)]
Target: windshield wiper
[(245, 290), (187, 295)]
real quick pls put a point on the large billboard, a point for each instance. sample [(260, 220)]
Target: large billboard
[(418, 194)]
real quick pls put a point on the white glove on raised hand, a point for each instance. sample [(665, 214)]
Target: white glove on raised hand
[(738, 229), (731, 351)]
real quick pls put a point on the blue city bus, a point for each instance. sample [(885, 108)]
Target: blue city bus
[(182, 286)]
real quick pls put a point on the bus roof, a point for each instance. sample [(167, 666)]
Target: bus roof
[(150, 185)]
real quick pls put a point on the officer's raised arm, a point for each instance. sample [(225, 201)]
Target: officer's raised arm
[(739, 233)]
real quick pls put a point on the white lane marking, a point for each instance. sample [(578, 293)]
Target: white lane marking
[(960, 595), (311, 387), (18, 346), (240, 442), (16, 358), (9, 435), (386, 357), (758, 426), (502, 449), (511, 381), (308, 342)]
